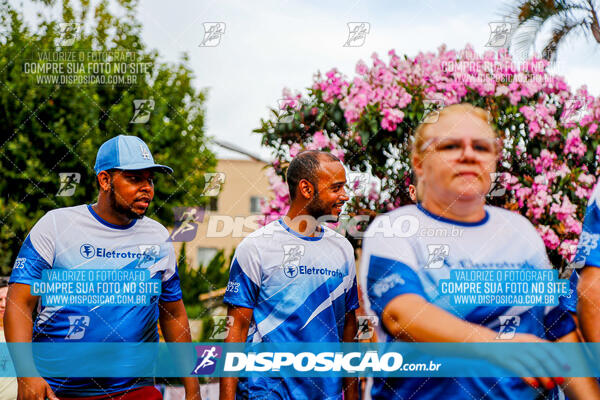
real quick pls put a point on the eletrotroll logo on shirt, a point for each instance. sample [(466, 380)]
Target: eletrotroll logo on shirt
[(146, 252), (291, 271)]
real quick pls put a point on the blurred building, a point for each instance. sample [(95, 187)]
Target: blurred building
[(233, 210)]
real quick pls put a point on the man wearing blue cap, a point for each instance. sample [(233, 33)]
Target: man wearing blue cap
[(109, 236)]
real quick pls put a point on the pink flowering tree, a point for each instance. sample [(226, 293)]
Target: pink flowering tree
[(550, 133)]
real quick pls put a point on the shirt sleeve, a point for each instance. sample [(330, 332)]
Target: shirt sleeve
[(558, 322), (588, 252), (244, 277), (37, 252), (352, 287), (171, 285), (388, 270), (569, 302)]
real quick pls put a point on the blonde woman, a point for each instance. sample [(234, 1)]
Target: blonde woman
[(453, 159)]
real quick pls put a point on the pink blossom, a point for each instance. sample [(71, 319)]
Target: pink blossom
[(361, 68), (588, 179), (339, 153), (534, 128), (538, 201), (502, 90), (351, 115), (573, 225), (551, 239), (391, 117), (522, 194), (550, 187), (574, 145), (280, 189), (528, 112), (373, 192), (361, 100), (582, 193), (295, 149), (564, 209), (332, 86), (536, 212), (320, 140), (514, 98), (562, 170), (404, 99), (510, 179), (567, 249), (388, 124), (544, 161)]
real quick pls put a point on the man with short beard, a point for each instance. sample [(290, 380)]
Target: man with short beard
[(294, 280), (110, 236)]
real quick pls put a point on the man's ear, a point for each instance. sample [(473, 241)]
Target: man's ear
[(104, 180), (306, 189)]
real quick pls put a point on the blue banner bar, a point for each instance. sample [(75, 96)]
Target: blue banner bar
[(300, 359)]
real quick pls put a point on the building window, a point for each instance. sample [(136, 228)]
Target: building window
[(212, 204), (205, 255), (255, 204)]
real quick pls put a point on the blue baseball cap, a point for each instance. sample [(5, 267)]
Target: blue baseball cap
[(128, 153)]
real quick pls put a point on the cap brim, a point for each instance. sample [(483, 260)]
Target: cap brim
[(163, 168), (139, 167)]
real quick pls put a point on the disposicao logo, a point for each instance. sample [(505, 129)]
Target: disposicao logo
[(207, 359), (317, 362)]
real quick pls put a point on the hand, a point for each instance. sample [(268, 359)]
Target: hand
[(34, 389), (533, 361)]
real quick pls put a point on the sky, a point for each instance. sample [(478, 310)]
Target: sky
[(271, 45)]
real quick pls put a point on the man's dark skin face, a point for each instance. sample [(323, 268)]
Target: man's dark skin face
[(125, 195), (330, 193)]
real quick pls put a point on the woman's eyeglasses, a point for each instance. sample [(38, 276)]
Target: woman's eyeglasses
[(455, 147)]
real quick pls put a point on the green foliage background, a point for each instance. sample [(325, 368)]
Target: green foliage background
[(196, 281), (47, 129)]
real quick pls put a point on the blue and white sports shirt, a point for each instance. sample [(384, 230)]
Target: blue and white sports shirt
[(588, 252), (77, 238), (300, 289), (394, 264)]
